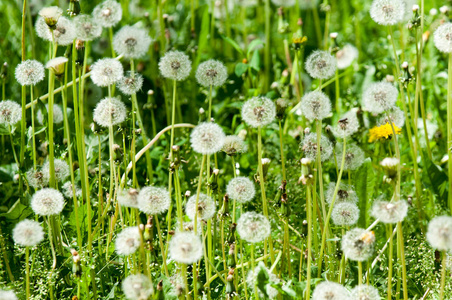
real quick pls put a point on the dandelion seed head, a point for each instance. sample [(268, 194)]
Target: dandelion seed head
[(28, 233), (358, 244), (346, 56), (131, 83), (185, 248), (131, 42), (47, 202), (347, 126), (64, 32), (442, 38), (206, 207), (345, 193), (61, 170), (379, 96), (211, 72), (283, 3), (128, 241), (110, 111), (345, 214), (29, 72), (68, 192), (396, 116), (387, 12), (315, 105), (37, 179), (137, 287), (175, 65), (258, 111), (108, 13), (354, 156), (57, 114), (321, 65), (390, 212), (241, 189), (365, 292), (106, 71), (10, 112), (7, 295), (190, 227), (253, 227), (153, 200), (87, 28), (309, 147), (439, 233), (234, 145), (327, 290), (251, 280), (207, 138), (128, 198)]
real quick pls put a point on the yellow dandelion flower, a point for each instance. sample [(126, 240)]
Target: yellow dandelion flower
[(383, 131)]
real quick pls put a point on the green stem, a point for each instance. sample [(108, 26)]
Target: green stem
[(253, 269), (449, 128), (33, 128), (267, 45), (443, 275), (360, 272), (281, 146), (309, 242), (27, 272), (52, 182), (160, 236), (400, 243), (390, 255)]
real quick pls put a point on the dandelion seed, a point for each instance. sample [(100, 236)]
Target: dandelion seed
[(109, 112), (253, 227), (63, 34), (137, 287), (252, 280), (128, 198), (51, 15), (153, 200), (241, 189), (258, 111), (206, 207), (390, 212), (327, 290), (379, 96), (207, 138), (131, 42), (68, 192), (315, 105), (365, 292), (354, 156), (442, 38), (382, 132), (185, 248), (439, 233), (175, 65), (37, 179), (131, 84), (28, 233), (345, 214), (30, 72), (128, 241), (108, 13), (346, 56), (61, 170), (10, 112), (57, 65), (387, 12), (309, 147), (345, 193), (106, 71), (211, 72), (234, 145), (321, 65), (358, 244), (87, 28), (47, 202), (7, 295), (57, 114), (396, 116), (347, 125)]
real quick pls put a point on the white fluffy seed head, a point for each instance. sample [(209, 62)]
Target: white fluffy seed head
[(241, 189), (234, 145), (252, 278), (131, 83), (131, 42), (30, 72), (309, 147), (47, 202), (347, 126), (345, 214), (185, 247), (7, 295), (346, 56), (28, 233), (390, 212), (283, 3), (189, 227), (207, 138), (253, 227), (110, 111), (331, 291), (64, 33), (439, 233), (354, 156), (345, 193), (175, 65), (258, 111), (37, 179), (108, 13), (206, 207), (61, 170), (128, 198), (68, 191), (128, 241), (137, 287), (396, 116), (211, 72), (57, 114), (315, 105), (365, 292), (153, 200), (442, 37), (87, 28), (321, 65), (51, 15), (10, 112), (387, 12), (106, 71), (379, 96), (358, 244)]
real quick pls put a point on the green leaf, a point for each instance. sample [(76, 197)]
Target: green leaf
[(240, 69), (434, 178), (17, 212), (365, 183), (233, 44), (255, 61), (4, 130), (262, 278), (253, 45)]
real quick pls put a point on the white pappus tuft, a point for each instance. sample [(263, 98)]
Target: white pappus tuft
[(68, 190), (241, 189), (131, 42), (258, 111), (345, 214), (131, 83), (47, 202), (347, 125), (394, 115), (206, 207), (207, 138), (137, 287), (211, 73), (309, 147), (87, 28), (321, 65), (379, 96), (128, 198), (390, 212), (30, 72), (315, 105), (387, 12), (358, 244), (128, 241), (28, 233), (253, 227), (234, 145), (346, 56), (345, 193), (439, 233), (185, 247), (37, 179), (10, 112), (106, 71), (442, 37), (331, 291), (365, 292), (153, 200), (109, 112), (7, 295), (57, 114), (354, 156), (64, 32), (61, 170), (108, 13), (175, 65)]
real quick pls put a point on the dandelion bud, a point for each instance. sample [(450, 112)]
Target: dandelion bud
[(74, 8), (29, 72), (185, 247), (281, 106), (207, 138), (224, 210), (47, 202), (330, 290), (234, 145), (4, 71), (211, 73), (51, 15), (175, 65), (333, 35), (253, 227), (306, 171), (433, 12), (387, 12), (439, 233), (187, 194), (131, 83), (153, 200), (415, 8), (274, 85), (321, 65), (379, 97), (137, 287), (358, 244), (128, 241), (76, 265), (10, 112), (345, 214), (109, 112), (258, 111), (389, 165), (131, 42), (242, 134), (205, 210), (57, 65), (241, 189), (28, 233), (442, 38)]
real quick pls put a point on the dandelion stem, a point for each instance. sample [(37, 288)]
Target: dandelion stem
[(443, 275), (27, 272), (449, 128), (390, 255), (309, 241)]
